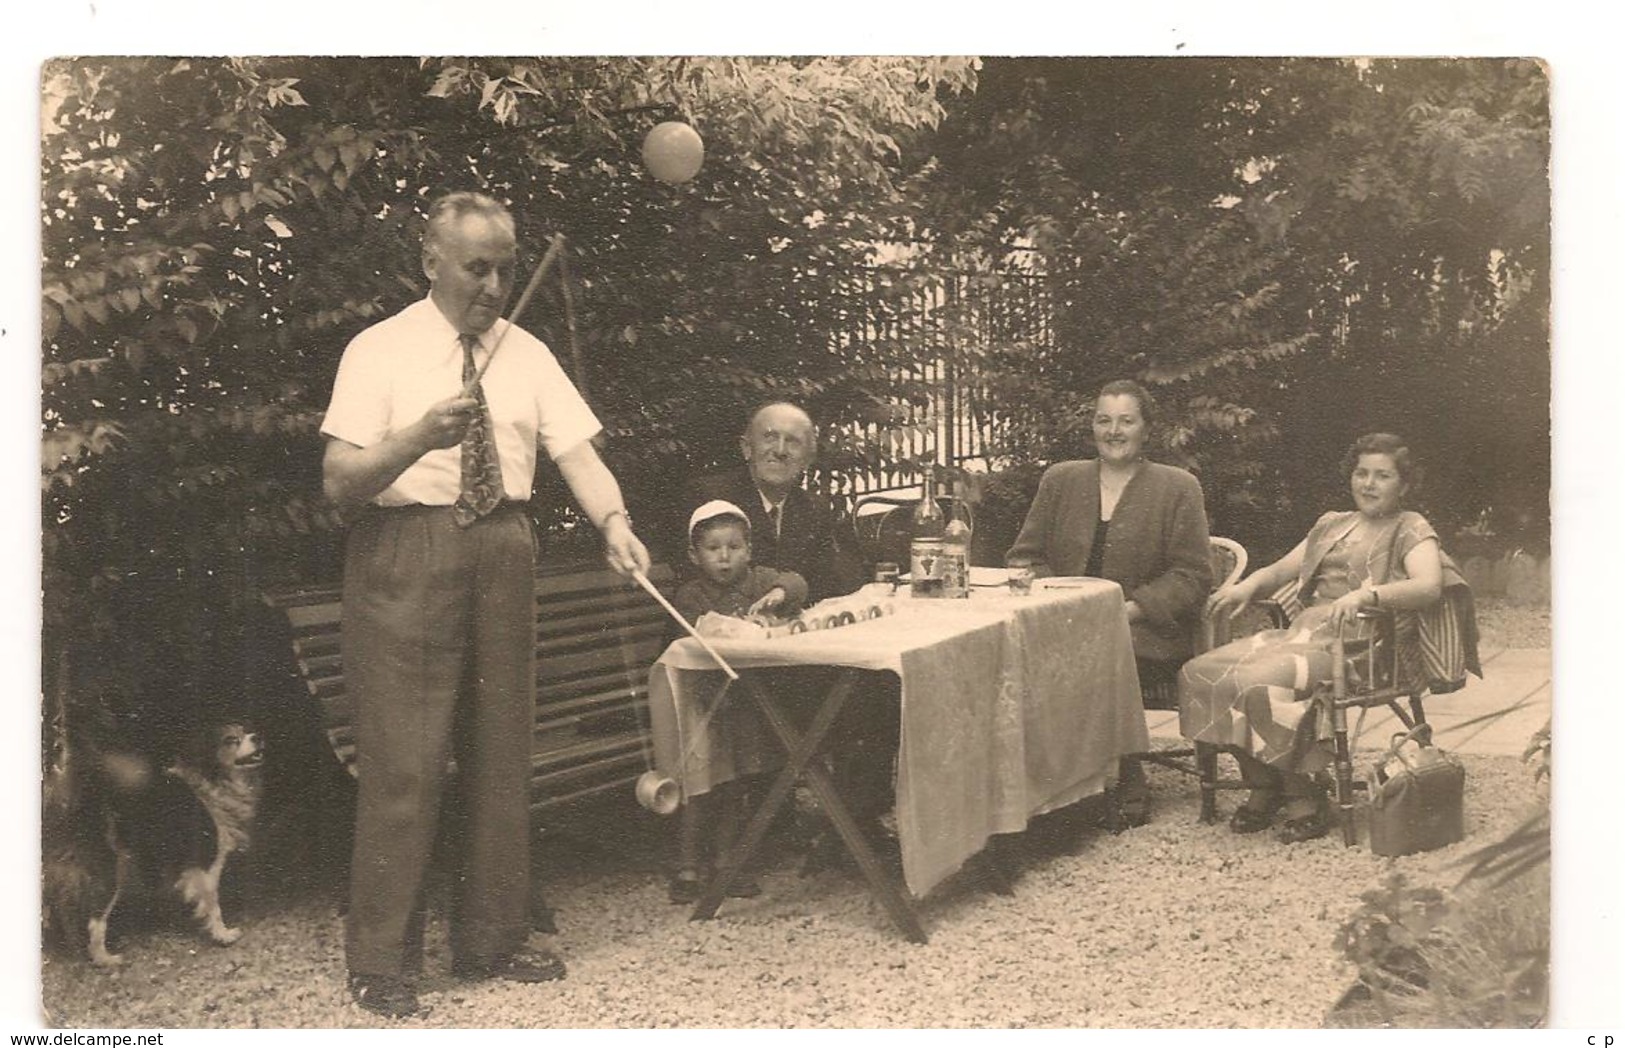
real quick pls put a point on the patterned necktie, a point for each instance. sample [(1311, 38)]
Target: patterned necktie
[(482, 473)]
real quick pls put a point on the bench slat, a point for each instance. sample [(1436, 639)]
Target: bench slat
[(557, 659), (607, 681), (599, 631), (603, 710), (309, 618), (596, 637), (554, 582), (603, 680), (632, 662)]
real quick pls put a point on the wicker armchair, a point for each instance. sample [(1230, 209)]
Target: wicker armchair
[(1448, 650)]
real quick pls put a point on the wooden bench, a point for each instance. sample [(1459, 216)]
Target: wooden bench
[(597, 635)]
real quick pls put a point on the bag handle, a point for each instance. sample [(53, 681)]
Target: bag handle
[(1422, 735)]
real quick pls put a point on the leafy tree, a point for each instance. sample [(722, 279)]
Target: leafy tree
[(1424, 217), (1289, 252), (215, 230)]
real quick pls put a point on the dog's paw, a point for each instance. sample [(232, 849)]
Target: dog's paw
[(96, 944), (224, 936)]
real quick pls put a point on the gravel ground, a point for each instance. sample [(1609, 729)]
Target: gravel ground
[(1170, 925)]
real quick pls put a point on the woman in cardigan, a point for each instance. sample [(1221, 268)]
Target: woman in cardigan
[(1137, 523), (1250, 694)]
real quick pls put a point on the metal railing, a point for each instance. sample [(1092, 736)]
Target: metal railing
[(933, 341)]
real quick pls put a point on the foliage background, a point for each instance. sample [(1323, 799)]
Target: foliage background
[(216, 230), (1290, 251)]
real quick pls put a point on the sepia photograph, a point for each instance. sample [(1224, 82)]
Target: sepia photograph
[(799, 541)]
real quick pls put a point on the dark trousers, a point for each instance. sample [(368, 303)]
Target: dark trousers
[(866, 738), (861, 749), (439, 661)]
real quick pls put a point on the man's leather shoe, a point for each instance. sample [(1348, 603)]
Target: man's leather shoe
[(525, 966), (384, 995)]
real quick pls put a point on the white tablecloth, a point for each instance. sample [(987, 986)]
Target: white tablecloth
[(1011, 707)]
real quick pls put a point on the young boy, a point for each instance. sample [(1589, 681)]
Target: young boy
[(728, 584), (719, 546)]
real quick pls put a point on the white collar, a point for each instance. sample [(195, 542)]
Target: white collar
[(441, 321)]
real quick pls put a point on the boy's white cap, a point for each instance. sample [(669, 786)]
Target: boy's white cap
[(716, 508)]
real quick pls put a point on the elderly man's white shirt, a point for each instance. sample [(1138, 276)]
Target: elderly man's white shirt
[(393, 371)]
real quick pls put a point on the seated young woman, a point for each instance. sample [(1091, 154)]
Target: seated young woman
[(1251, 694)]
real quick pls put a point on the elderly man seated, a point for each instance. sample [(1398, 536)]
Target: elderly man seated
[(795, 530)]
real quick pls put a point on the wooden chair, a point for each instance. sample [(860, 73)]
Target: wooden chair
[(1449, 650), (1381, 684), (884, 526)]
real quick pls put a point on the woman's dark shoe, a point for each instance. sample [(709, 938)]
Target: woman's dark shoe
[(1308, 827), (1128, 804), (1125, 809), (1257, 812), (1251, 820)]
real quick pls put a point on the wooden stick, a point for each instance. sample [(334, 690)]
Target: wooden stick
[(643, 580), (565, 281), (553, 250)]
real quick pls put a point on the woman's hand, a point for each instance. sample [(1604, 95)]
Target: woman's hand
[(1345, 610), (1229, 600), (767, 601)]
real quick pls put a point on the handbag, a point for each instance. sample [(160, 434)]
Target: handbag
[(1416, 796)]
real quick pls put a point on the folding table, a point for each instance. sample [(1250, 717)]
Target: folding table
[(1012, 706)]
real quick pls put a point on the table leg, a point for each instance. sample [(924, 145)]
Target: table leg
[(901, 911), (801, 750)]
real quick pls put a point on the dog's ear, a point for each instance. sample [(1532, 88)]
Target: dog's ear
[(200, 747), (225, 737)]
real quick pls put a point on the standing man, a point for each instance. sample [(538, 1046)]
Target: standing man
[(790, 529), (438, 620)]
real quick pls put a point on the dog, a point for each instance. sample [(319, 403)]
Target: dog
[(85, 788), (111, 823)]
